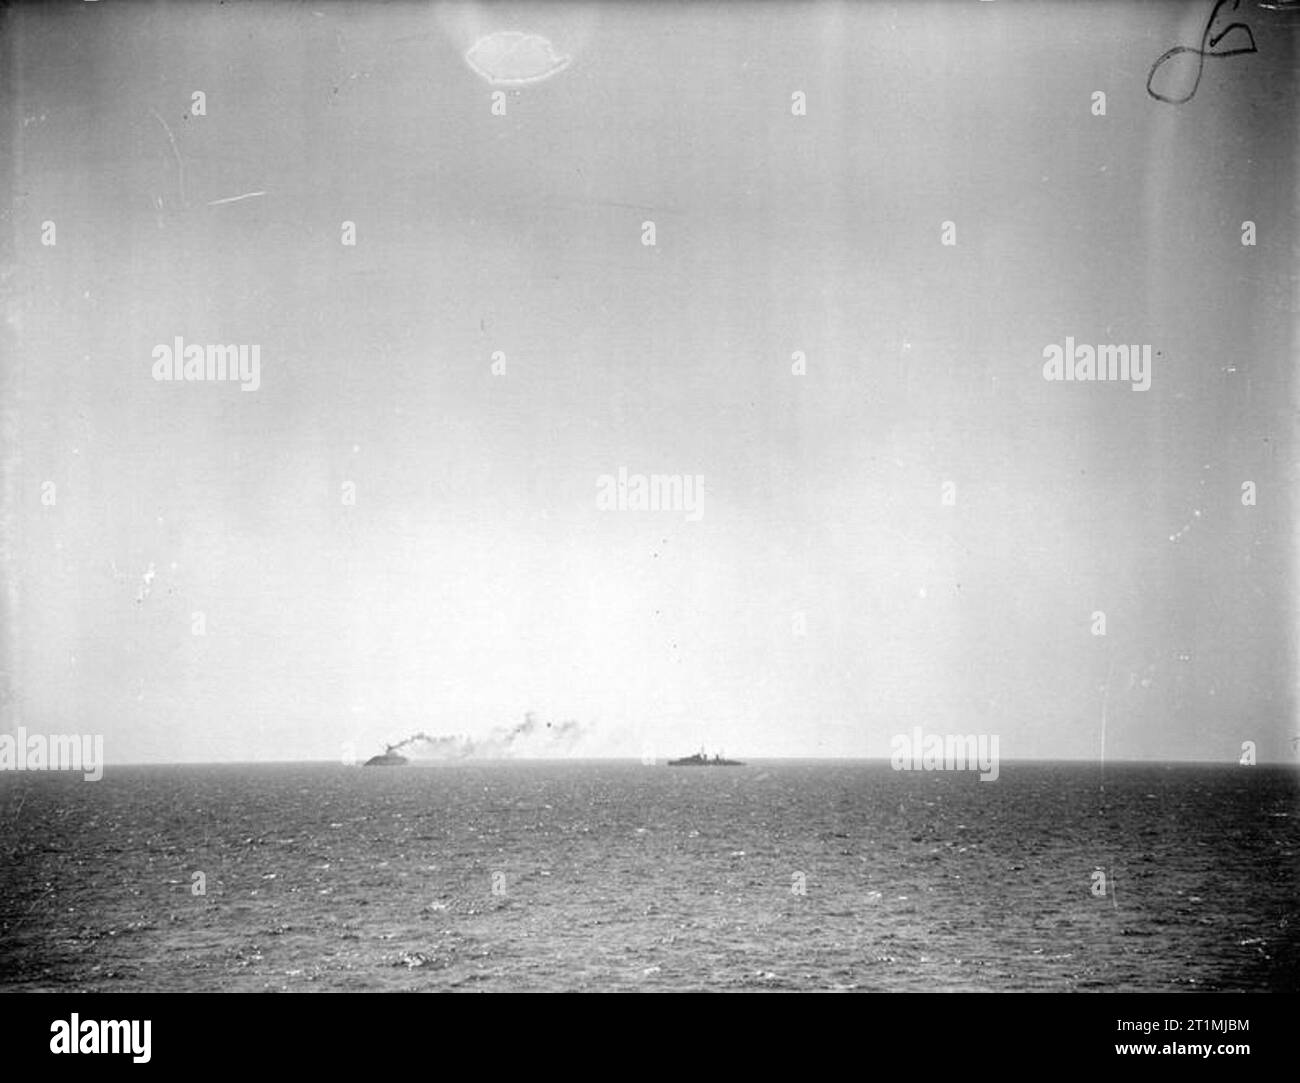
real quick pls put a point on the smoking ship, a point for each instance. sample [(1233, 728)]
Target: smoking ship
[(701, 760), (387, 759)]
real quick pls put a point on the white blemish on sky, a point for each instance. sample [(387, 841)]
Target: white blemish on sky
[(513, 58)]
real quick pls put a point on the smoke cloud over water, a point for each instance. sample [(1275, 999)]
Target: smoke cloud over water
[(528, 738)]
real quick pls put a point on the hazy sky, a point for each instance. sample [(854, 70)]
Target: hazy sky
[(475, 577)]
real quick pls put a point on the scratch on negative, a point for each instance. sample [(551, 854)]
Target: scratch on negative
[(180, 165), (234, 199)]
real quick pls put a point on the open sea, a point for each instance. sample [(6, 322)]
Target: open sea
[(780, 875)]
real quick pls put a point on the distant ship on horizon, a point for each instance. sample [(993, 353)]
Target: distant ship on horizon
[(388, 758), (701, 760)]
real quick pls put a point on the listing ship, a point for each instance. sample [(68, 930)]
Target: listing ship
[(701, 760), (387, 759)]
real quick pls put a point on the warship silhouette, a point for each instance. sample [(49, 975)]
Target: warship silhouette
[(701, 760), (388, 758)]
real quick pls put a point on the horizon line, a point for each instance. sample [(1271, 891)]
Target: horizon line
[(659, 761)]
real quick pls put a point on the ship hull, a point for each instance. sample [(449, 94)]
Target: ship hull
[(700, 761)]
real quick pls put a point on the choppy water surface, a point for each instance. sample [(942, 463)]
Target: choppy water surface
[(624, 876)]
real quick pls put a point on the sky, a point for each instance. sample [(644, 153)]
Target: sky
[(900, 521)]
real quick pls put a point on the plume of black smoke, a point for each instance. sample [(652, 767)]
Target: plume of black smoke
[(527, 738)]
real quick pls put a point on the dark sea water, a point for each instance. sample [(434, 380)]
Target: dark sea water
[(613, 876)]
